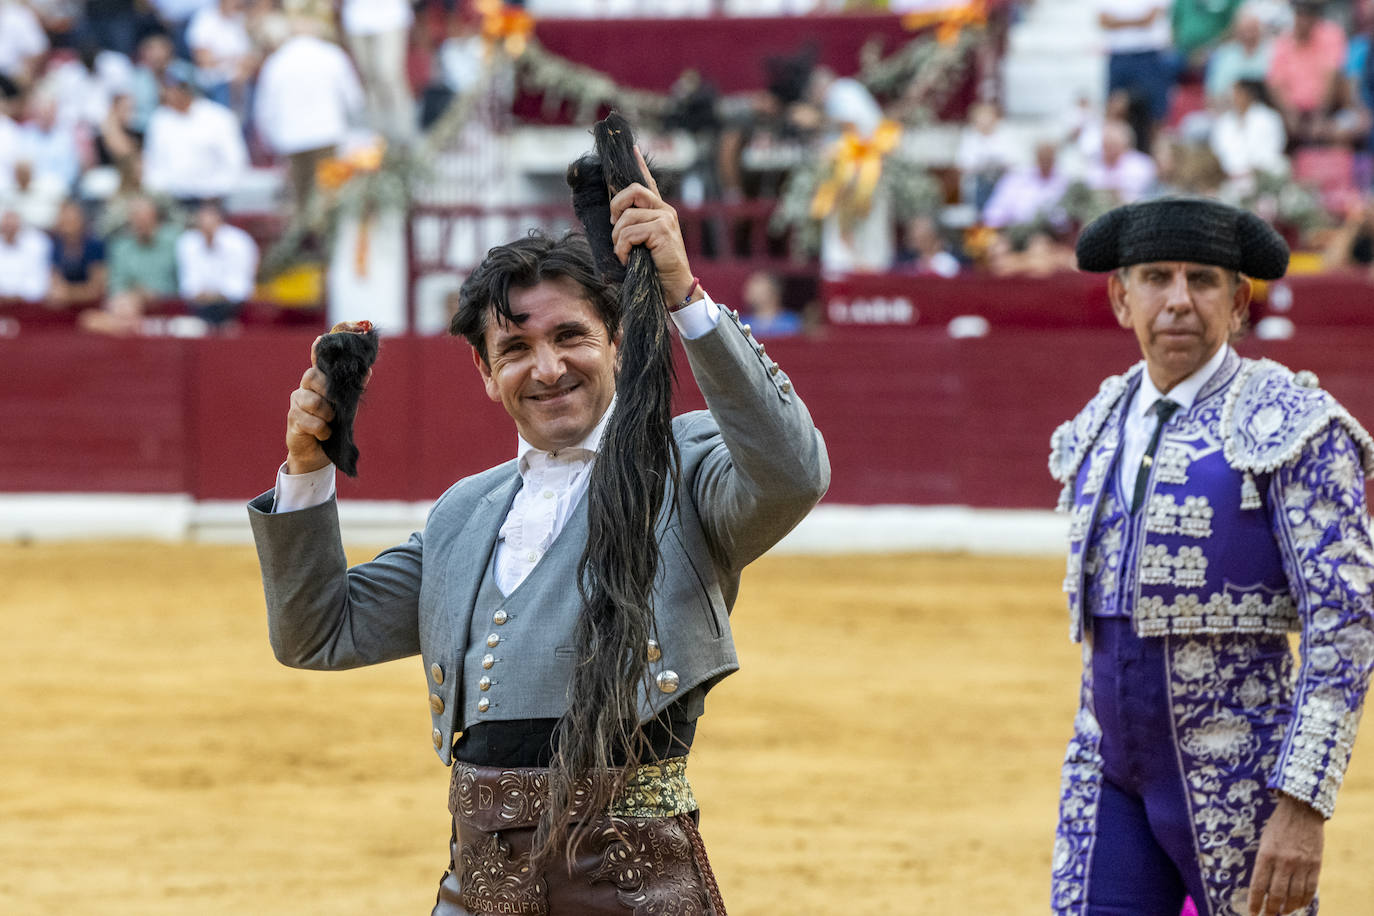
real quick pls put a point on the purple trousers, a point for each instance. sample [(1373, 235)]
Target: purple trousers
[(1165, 783)]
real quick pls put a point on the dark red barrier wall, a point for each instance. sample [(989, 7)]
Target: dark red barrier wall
[(910, 415)]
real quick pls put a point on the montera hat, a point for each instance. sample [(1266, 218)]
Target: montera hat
[(1183, 229)]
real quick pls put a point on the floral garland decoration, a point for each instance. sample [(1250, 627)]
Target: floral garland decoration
[(926, 71)]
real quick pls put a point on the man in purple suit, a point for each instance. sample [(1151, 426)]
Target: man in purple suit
[(1216, 504)]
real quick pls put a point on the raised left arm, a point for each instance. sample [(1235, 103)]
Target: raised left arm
[(769, 465)]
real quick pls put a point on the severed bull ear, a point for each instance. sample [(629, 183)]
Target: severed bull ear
[(345, 355)]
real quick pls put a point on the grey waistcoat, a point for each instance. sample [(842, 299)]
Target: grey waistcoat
[(531, 663), (520, 646)]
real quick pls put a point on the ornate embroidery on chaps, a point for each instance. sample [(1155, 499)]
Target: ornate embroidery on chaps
[(651, 863), (493, 882)]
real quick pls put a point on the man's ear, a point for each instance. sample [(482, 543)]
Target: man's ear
[(484, 370), (1240, 306), (1116, 293)]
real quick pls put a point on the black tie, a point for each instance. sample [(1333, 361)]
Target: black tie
[(1164, 409)]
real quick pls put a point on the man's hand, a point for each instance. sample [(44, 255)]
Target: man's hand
[(642, 218), (1289, 860), (307, 422)]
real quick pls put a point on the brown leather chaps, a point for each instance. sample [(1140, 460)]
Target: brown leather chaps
[(645, 866)]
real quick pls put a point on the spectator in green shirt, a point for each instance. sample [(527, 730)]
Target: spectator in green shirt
[(142, 268), (1198, 24)]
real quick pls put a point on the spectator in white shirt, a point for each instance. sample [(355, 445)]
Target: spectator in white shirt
[(224, 54), (49, 144), (194, 147), (22, 42), (306, 95), (84, 86), (378, 32), (1249, 138), (25, 259), (36, 201), (1120, 168), (216, 266), (1025, 195)]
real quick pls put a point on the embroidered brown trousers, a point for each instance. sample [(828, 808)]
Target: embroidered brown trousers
[(628, 866)]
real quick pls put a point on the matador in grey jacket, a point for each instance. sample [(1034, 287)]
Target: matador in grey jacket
[(486, 594)]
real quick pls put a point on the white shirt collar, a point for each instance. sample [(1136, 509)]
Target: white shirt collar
[(1185, 392), (586, 449)]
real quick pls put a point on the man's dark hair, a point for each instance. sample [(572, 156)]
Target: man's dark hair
[(522, 264)]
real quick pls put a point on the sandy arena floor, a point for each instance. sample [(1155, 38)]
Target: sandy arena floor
[(903, 715)]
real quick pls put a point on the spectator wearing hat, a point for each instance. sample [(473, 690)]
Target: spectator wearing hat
[(193, 149), (1217, 504)]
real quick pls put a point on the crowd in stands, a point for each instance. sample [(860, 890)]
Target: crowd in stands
[(1264, 103), (126, 125)]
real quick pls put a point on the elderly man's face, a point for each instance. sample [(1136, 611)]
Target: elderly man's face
[(1181, 314), (555, 371)]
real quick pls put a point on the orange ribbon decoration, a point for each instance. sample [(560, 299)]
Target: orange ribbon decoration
[(507, 26), (949, 23), (856, 165), (332, 174)]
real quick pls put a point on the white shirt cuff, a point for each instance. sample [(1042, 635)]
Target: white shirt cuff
[(698, 319), (302, 491)]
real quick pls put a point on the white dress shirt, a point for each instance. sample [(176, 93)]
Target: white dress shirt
[(551, 486), (224, 266), (26, 265), (306, 92), (198, 154), (1141, 419), (552, 483)]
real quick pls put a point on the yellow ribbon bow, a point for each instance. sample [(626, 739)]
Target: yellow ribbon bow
[(856, 165)]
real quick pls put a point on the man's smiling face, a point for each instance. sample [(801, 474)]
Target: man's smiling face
[(554, 371)]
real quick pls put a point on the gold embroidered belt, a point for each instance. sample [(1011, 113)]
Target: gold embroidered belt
[(501, 798)]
